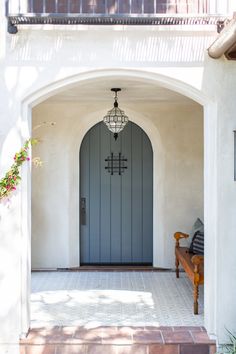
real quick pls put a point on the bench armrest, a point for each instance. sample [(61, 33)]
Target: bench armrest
[(197, 259), (178, 235)]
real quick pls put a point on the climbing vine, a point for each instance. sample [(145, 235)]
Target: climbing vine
[(12, 177)]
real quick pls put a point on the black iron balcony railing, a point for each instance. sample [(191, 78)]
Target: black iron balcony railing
[(107, 12)]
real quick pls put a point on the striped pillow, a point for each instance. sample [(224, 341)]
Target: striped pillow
[(197, 244)]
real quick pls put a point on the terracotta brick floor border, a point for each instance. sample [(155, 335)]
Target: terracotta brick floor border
[(118, 340)]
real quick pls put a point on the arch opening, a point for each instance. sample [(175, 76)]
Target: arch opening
[(153, 132)]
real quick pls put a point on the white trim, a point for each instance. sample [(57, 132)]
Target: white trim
[(210, 217), (95, 75), (25, 228)]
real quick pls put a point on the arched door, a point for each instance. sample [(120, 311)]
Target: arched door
[(116, 197)]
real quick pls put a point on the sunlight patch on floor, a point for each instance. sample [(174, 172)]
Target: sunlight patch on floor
[(112, 299)]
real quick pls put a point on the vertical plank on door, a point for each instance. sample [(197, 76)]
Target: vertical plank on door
[(94, 181), (105, 196), (115, 207), (126, 206), (147, 200), (137, 203), (84, 193)]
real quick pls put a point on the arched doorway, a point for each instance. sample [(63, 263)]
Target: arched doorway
[(209, 177), (116, 197)]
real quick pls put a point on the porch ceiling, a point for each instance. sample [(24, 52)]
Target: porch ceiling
[(132, 92)]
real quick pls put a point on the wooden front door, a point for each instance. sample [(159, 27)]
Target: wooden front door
[(116, 197)]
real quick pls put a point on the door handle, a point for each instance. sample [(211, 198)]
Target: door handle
[(83, 211)]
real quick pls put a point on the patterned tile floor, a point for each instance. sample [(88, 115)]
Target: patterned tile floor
[(94, 299)]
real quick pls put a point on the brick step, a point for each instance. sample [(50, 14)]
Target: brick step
[(118, 340)]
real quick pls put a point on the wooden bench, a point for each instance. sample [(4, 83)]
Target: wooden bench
[(192, 264)]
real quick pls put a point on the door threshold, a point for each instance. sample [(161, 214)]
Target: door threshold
[(113, 268)]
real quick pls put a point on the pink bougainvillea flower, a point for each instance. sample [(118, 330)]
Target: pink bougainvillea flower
[(9, 182)]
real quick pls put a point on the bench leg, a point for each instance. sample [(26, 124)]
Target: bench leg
[(195, 297), (177, 267)]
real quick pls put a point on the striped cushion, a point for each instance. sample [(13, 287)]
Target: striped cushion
[(197, 226), (197, 244)]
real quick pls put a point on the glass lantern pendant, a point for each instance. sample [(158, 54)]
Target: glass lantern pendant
[(115, 119)]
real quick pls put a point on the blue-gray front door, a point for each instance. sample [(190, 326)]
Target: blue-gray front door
[(116, 197)]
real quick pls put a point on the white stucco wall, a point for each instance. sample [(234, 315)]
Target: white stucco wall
[(220, 79), (55, 231), (37, 62)]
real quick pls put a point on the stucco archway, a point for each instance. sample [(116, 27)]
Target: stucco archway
[(209, 177)]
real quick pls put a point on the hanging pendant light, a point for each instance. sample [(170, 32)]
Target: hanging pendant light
[(115, 119)]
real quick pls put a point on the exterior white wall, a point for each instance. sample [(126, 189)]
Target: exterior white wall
[(55, 225), (37, 62), (220, 79)]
